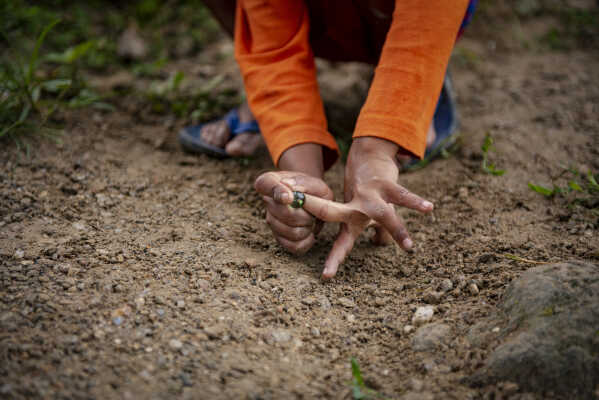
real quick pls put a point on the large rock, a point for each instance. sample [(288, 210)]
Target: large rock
[(552, 332)]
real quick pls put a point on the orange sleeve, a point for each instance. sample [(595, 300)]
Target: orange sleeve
[(409, 76), (277, 64)]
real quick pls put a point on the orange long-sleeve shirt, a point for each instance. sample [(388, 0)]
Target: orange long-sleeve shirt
[(277, 63)]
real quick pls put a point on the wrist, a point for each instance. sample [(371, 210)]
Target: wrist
[(306, 158), (378, 146)]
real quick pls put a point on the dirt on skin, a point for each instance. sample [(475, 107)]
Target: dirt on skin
[(132, 270)]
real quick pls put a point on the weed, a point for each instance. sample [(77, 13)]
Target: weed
[(30, 96), (577, 187), (487, 166), (521, 259), (359, 389)]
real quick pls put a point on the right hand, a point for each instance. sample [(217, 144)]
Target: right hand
[(293, 228)]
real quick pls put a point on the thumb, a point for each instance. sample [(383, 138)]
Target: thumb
[(269, 184), (341, 248)]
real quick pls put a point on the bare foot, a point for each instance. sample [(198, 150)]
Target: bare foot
[(245, 144)]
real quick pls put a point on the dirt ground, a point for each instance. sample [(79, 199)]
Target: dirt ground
[(132, 270)]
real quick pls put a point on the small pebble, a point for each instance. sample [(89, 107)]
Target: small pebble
[(281, 335), (380, 301), (175, 344), (139, 302), (408, 328), (416, 384), (117, 320), (345, 302), (315, 331), (432, 297), (495, 330), (423, 315), (473, 289), (215, 331), (79, 226), (446, 285), (19, 254), (181, 304)]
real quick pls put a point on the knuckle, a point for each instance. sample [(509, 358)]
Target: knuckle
[(402, 192), (324, 211)]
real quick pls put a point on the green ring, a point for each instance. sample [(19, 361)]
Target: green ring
[(298, 200)]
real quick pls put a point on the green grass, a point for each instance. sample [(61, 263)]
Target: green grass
[(34, 87), (360, 391), (486, 165), (575, 187)]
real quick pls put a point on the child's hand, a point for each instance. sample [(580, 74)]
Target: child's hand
[(371, 189), (293, 228)]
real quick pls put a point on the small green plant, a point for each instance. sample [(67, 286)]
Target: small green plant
[(31, 92), (21, 108), (576, 187), (487, 166), (578, 182), (359, 389)]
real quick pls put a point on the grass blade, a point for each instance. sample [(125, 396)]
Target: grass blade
[(542, 190)]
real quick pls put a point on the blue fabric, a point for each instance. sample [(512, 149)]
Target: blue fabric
[(468, 16), (237, 127)]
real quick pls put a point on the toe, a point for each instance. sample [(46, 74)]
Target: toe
[(216, 133), (244, 145)]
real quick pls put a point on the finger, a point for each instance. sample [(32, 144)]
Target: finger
[(269, 184), (295, 234), (298, 248), (308, 185), (318, 225), (293, 217), (397, 194), (327, 210), (381, 236), (341, 248), (385, 215)]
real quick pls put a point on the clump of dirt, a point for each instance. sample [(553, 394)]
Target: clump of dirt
[(132, 270)]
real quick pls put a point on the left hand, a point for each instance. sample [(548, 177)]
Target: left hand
[(371, 191)]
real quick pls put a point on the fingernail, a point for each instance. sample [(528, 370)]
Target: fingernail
[(427, 204), (285, 197), (407, 243)]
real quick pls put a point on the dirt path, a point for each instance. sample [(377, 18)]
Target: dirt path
[(135, 272)]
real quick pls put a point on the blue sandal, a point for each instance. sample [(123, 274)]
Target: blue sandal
[(446, 126), (191, 140)]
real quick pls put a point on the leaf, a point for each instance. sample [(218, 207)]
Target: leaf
[(487, 144), (593, 185), (490, 168), (574, 186), (56, 85), (72, 54), (542, 190), (356, 373), (177, 79), (34, 55)]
